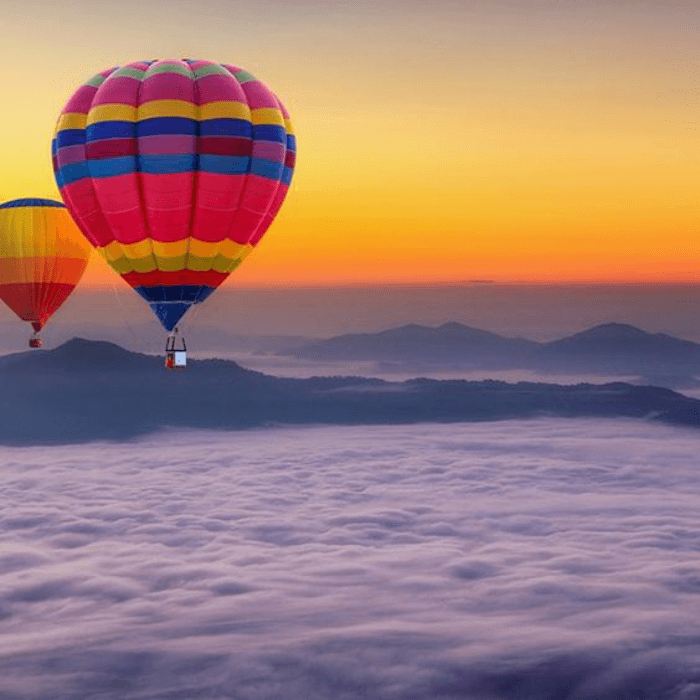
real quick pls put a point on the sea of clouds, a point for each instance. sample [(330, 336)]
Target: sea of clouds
[(287, 366), (519, 560)]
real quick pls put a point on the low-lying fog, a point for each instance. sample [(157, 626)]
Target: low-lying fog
[(287, 366), (545, 559)]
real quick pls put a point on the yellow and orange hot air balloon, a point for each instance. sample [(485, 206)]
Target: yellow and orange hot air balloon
[(42, 257)]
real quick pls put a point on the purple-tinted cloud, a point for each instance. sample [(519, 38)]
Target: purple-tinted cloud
[(551, 560)]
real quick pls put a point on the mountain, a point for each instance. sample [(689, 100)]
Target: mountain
[(90, 390), (617, 348), (78, 356), (449, 343), (611, 348)]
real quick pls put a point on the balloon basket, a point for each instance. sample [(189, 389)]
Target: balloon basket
[(175, 357), (35, 342)]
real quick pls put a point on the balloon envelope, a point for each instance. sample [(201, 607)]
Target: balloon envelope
[(42, 257), (174, 170)]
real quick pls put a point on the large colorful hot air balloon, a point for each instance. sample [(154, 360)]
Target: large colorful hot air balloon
[(174, 170), (42, 257)]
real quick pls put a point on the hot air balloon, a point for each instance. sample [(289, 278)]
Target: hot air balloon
[(42, 257), (174, 170)]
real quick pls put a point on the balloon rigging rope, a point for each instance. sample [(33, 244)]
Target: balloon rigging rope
[(123, 313), (188, 321)]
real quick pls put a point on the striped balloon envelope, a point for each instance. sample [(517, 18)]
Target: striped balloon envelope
[(42, 257), (174, 170)]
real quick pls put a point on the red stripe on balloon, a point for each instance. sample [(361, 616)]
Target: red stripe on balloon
[(217, 199), (79, 197), (270, 215), (158, 278), (111, 148), (35, 301), (225, 145)]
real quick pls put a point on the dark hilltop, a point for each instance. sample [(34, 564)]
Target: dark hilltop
[(94, 390)]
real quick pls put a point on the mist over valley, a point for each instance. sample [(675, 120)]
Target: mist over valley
[(548, 559)]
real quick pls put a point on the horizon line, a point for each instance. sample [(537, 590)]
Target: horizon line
[(108, 286)]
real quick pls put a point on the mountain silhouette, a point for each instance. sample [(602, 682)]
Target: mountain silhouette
[(618, 347), (94, 390), (447, 343), (611, 348), (81, 356)]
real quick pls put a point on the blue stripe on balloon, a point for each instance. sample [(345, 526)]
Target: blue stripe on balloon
[(287, 176), (169, 313), (72, 173), (228, 165), (167, 164), (204, 292), (109, 130), (269, 132), (70, 137), (225, 127), (291, 142), (266, 168), (166, 125), (186, 293), (109, 167), (32, 202)]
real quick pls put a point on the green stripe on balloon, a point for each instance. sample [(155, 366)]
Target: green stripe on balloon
[(243, 76), (137, 73), (170, 68), (210, 70), (95, 81)]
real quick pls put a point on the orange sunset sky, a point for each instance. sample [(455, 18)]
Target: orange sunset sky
[(438, 141)]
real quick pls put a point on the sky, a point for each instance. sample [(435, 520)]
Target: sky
[(439, 142), (539, 312), (547, 559)]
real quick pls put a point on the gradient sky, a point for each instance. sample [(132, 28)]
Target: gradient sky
[(439, 141)]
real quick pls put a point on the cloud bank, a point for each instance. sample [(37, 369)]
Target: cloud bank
[(548, 560)]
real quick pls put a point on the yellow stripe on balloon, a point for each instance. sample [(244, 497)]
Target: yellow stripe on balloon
[(130, 251), (207, 249), (171, 264), (233, 264), (167, 108), (170, 249), (187, 254), (124, 265), (288, 126), (41, 232), (224, 110), (198, 264), (111, 113), (71, 120), (119, 265), (231, 249), (267, 115)]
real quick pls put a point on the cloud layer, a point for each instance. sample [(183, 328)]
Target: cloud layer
[(549, 560)]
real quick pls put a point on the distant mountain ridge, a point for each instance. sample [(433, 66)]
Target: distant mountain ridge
[(403, 342), (614, 348), (95, 390)]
